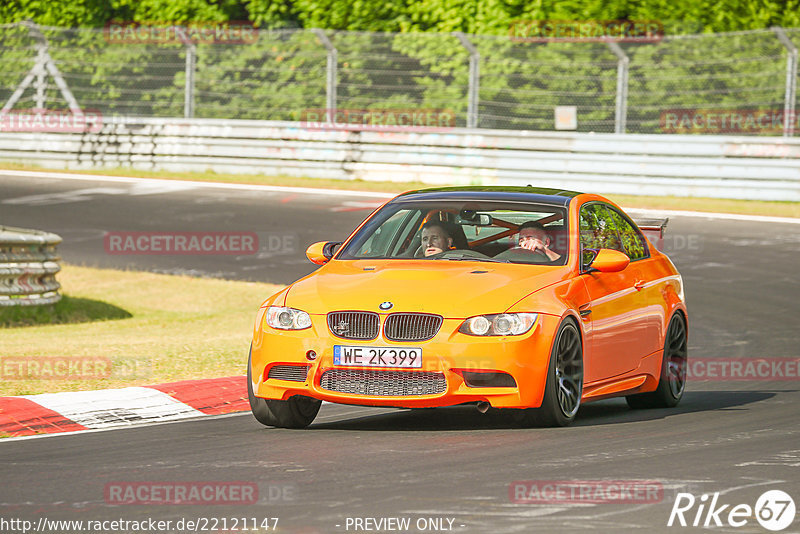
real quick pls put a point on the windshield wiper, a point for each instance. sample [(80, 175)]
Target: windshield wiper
[(472, 258)]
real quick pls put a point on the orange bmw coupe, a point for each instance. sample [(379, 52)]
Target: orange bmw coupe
[(520, 298)]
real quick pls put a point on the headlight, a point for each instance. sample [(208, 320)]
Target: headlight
[(500, 324), (287, 318)]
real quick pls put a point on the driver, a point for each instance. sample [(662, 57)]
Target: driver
[(533, 237), (435, 238)]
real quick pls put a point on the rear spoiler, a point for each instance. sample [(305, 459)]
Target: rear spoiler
[(653, 229)]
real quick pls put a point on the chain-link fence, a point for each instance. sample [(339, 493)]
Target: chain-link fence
[(742, 82)]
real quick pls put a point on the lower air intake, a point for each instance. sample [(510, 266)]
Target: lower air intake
[(383, 383), (295, 373)]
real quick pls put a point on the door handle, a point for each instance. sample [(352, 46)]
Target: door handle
[(639, 285)]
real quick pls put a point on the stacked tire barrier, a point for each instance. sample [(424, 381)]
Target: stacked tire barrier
[(28, 267)]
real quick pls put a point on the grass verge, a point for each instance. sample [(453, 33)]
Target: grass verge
[(743, 207), (127, 328)]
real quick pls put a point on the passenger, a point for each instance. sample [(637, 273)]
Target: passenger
[(534, 237), (435, 238)]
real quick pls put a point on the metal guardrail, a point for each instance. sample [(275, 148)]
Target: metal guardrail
[(28, 267), (702, 166)]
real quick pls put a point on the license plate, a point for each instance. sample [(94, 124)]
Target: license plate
[(361, 356)]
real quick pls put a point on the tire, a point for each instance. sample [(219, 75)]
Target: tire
[(564, 386), (295, 412), (672, 380)]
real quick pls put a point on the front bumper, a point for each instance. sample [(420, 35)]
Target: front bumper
[(449, 354)]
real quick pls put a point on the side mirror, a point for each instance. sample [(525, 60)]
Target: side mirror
[(609, 261), (322, 251)]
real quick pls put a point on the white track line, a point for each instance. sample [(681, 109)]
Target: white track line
[(194, 184), (711, 215), (156, 182)]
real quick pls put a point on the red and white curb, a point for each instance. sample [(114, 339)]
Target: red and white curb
[(49, 413)]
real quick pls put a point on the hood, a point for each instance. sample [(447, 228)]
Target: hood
[(455, 290)]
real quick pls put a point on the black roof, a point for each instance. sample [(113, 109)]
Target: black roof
[(541, 195)]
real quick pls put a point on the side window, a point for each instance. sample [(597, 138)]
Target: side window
[(406, 232), (590, 233), (630, 236), (378, 242), (598, 229)]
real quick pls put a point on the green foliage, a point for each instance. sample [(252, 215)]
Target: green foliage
[(272, 13), (356, 15), (715, 71), (491, 17), (66, 13), (421, 66), (275, 78)]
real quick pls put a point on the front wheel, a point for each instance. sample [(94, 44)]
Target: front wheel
[(295, 412), (672, 381), (564, 386)]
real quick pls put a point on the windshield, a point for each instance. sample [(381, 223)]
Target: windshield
[(464, 230)]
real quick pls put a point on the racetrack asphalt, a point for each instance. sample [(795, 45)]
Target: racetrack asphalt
[(738, 438)]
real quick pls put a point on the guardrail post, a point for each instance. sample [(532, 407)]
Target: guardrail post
[(621, 112), (188, 97), (789, 118), (191, 61), (333, 62), (474, 79), (40, 84)]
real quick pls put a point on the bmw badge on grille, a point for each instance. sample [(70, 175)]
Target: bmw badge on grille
[(341, 328), (386, 305)]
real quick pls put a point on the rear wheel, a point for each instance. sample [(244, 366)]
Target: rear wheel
[(295, 412), (564, 386), (672, 381)]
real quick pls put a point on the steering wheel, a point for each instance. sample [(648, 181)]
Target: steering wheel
[(460, 253), (522, 254)]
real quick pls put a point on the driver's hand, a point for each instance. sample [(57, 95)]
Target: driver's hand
[(534, 245)]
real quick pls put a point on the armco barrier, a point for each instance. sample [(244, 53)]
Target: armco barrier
[(28, 267), (764, 168)]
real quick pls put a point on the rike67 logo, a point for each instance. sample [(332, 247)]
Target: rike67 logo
[(774, 510)]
